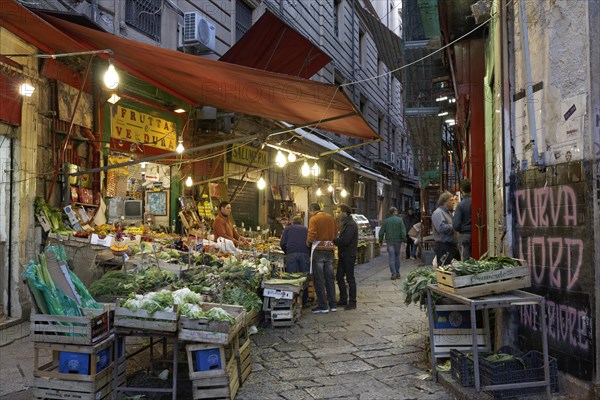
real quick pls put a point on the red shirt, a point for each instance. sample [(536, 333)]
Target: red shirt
[(222, 227)]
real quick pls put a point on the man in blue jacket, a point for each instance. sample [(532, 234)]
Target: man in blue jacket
[(394, 232), (297, 253)]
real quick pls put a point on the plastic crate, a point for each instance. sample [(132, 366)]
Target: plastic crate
[(462, 366), (532, 371), (490, 367)]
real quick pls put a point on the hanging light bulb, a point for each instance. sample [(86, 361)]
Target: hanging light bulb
[(113, 99), (180, 147), (291, 157), (330, 188), (26, 89), (280, 159), (111, 78), (189, 182), (143, 165), (305, 169), (261, 183), (344, 193), (315, 169), (319, 193)]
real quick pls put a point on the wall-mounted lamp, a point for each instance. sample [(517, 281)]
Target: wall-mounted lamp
[(315, 169), (26, 89), (180, 147), (261, 183), (111, 78), (305, 169), (280, 159)]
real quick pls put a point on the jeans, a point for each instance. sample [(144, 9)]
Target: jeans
[(298, 262), (393, 249), (323, 278), (346, 268)]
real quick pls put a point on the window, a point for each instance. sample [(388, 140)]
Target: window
[(243, 19), (338, 13), (144, 16), (362, 46)]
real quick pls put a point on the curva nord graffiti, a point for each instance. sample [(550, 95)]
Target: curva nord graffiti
[(551, 236)]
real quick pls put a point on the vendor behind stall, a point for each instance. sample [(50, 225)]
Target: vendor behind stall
[(222, 227), (297, 253)]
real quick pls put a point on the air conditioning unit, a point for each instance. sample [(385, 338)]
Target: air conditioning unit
[(198, 31), (359, 189), (391, 158)]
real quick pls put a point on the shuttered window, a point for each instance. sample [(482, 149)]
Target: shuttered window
[(245, 205), (243, 19)]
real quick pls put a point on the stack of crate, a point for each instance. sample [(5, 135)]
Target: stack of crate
[(282, 302), (215, 353), (81, 351)]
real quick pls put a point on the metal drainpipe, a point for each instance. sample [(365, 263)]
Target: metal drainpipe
[(10, 228), (353, 53), (95, 10)]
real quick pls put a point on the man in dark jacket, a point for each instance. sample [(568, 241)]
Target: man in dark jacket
[(394, 232), (410, 219), (297, 253), (347, 243), (462, 221)]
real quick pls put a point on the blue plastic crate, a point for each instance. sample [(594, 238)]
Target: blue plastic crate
[(462, 368), (74, 363), (103, 360), (208, 360)]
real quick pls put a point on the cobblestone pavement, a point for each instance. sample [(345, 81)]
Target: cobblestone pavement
[(374, 352)]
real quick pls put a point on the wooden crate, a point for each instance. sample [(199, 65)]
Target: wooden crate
[(242, 355), (142, 320), (62, 389), (120, 364), (215, 383), (91, 328), (204, 331), (253, 317), (493, 282), (92, 353)]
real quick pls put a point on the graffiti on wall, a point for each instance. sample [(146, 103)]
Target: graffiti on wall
[(551, 237)]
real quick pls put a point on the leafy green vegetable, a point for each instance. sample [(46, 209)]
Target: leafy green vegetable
[(415, 284), (472, 266), (238, 296)]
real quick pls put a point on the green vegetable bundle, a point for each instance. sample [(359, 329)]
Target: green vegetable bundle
[(472, 266), (415, 284)]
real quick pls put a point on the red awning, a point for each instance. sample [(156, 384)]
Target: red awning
[(272, 45), (200, 81)]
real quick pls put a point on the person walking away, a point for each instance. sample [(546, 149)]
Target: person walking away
[(394, 232), (322, 230), (462, 221), (222, 226), (347, 243), (444, 235), (410, 219), (297, 253)]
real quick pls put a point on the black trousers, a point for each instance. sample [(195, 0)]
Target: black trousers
[(346, 269), (409, 244), (448, 250)]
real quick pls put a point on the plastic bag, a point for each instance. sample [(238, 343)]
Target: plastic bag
[(87, 301), (226, 246), (54, 301)]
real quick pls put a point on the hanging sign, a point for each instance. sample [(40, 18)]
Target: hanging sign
[(140, 128), (245, 155)]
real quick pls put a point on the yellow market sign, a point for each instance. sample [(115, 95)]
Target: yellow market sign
[(245, 154), (138, 127)]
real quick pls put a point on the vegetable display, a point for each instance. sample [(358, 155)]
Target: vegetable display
[(472, 266), (415, 284)]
